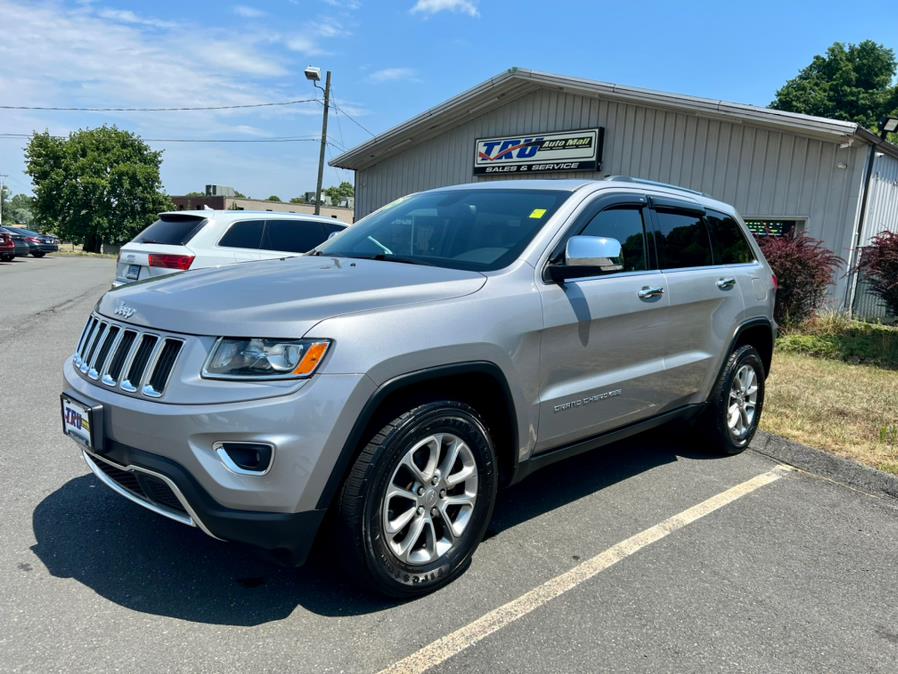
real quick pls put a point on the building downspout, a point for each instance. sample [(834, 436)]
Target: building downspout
[(856, 240)]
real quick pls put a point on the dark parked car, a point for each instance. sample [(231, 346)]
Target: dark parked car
[(7, 247), (20, 242), (38, 244)]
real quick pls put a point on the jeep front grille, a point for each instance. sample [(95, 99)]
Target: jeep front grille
[(125, 358)]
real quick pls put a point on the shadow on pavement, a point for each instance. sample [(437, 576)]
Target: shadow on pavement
[(147, 563)]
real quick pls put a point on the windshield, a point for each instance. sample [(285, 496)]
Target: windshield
[(473, 229)]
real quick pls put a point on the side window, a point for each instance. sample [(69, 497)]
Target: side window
[(246, 234), (682, 239), (730, 246), (292, 236), (625, 225)]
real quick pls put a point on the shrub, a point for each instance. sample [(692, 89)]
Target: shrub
[(804, 269), (879, 261), (833, 335)]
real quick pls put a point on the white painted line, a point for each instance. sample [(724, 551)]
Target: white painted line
[(444, 648)]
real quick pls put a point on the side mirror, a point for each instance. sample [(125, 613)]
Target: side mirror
[(586, 256), (591, 251)]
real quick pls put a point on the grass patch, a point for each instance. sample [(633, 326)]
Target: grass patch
[(848, 409), (839, 338), (81, 253)]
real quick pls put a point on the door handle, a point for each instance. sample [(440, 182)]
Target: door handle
[(648, 293), (726, 283)]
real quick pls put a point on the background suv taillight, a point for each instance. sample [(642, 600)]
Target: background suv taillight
[(181, 262)]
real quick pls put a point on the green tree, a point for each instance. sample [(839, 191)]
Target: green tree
[(195, 194), (342, 191), (96, 186), (17, 210), (850, 82), (274, 197), (298, 200)]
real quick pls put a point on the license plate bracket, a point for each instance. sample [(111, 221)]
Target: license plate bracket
[(82, 422), (133, 272)]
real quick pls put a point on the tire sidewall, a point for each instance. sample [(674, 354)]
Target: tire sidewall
[(745, 355), (434, 418)]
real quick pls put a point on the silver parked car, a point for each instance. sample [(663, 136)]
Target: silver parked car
[(446, 345)]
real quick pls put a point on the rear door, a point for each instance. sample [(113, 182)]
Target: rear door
[(161, 248), (706, 300), (603, 343), (291, 236)]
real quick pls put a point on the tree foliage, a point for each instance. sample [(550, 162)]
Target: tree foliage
[(879, 261), (340, 192), (16, 209), (853, 82), (804, 268), (274, 197), (96, 186)]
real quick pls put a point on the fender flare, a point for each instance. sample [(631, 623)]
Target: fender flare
[(352, 447)]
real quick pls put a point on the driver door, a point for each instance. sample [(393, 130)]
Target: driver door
[(603, 343)]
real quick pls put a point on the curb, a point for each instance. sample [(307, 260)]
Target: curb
[(835, 468)]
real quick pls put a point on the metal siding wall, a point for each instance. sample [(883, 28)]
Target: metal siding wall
[(882, 209), (764, 173)]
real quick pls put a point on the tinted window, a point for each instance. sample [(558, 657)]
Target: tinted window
[(625, 225), (330, 229), (476, 229), (173, 230), (682, 240), (293, 236), (730, 246), (246, 234)]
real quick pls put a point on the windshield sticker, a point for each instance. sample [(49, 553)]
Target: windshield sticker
[(537, 213)]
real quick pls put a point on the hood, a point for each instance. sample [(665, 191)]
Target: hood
[(282, 297)]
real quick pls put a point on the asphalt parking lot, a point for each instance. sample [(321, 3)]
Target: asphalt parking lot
[(650, 555)]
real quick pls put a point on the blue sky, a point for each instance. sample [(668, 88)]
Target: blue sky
[(391, 60)]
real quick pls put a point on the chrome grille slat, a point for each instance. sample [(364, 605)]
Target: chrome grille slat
[(125, 357), (94, 351)]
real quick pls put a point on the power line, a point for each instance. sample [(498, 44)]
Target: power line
[(280, 139), (353, 119), (179, 109)]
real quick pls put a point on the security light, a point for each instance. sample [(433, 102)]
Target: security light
[(890, 125), (313, 74)]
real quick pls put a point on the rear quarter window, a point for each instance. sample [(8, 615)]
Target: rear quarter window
[(730, 245), (293, 236), (172, 230)]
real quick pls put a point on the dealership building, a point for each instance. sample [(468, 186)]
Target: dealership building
[(783, 171)]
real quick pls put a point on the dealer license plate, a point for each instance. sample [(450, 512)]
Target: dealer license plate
[(76, 421)]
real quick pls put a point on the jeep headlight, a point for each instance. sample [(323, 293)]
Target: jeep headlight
[(262, 358)]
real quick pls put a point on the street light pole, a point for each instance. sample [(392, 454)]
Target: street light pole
[(327, 102)]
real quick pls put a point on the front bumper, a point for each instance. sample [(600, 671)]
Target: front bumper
[(279, 510)]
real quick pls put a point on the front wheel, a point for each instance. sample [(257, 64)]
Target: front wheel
[(38, 254), (418, 500), (734, 408)]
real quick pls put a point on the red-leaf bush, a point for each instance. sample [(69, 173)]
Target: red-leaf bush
[(879, 262), (804, 268)]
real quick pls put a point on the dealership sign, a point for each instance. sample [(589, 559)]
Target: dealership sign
[(540, 152)]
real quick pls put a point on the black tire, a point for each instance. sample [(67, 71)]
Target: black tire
[(38, 254), (713, 422), (361, 538), (7, 258)]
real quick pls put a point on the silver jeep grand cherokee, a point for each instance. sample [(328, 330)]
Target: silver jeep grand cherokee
[(445, 345)]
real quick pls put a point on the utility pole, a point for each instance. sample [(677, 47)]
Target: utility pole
[(327, 103), (2, 176)]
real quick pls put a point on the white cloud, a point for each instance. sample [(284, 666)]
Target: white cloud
[(344, 4), (435, 6), (248, 12), (305, 45), (393, 75), (127, 16)]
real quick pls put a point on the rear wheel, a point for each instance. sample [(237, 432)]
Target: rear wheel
[(734, 408), (418, 499), (7, 258), (38, 254)]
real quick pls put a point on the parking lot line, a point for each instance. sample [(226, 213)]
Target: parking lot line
[(444, 648)]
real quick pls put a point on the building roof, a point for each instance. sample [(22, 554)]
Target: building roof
[(516, 83)]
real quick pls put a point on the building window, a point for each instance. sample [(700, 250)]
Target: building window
[(777, 228)]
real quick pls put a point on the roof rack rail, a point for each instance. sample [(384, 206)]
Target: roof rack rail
[(654, 183)]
